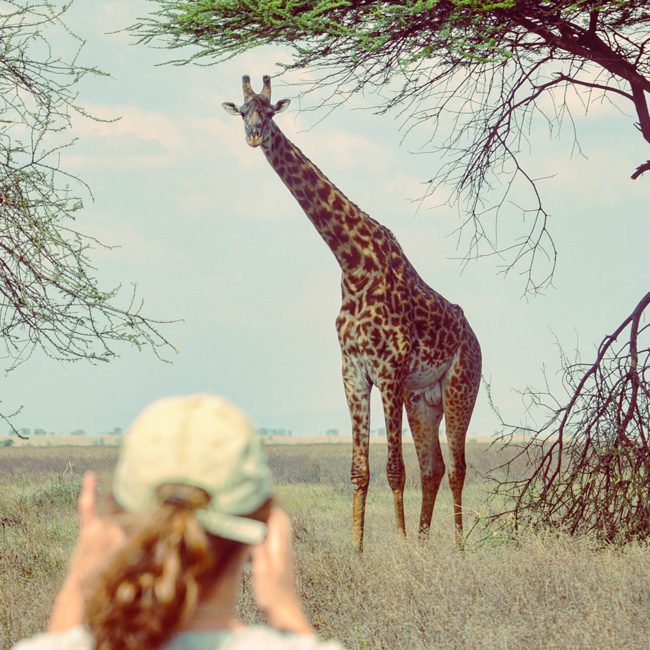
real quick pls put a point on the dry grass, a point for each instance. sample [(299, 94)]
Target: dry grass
[(541, 592), (537, 592)]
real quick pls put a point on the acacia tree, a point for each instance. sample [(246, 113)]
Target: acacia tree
[(477, 69), (49, 297), (479, 74)]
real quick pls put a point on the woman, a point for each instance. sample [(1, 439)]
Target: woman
[(191, 506)]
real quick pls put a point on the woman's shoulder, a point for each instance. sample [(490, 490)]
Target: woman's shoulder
[(270, 639), (76, 638), (256, 636)]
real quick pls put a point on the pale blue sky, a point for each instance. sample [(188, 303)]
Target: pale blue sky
[(212, 236)]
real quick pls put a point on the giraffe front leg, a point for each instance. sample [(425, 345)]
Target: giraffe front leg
[(357, 393), (360, 476), (358, 515), (393, 403)]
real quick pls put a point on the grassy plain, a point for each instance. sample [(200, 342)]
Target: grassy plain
[(539, 591)]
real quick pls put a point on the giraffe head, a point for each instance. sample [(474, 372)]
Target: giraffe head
[(257, 110)]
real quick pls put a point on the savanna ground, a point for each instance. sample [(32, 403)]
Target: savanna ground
[(538, 591)]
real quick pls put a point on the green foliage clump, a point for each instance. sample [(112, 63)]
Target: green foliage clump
[(338, 31)]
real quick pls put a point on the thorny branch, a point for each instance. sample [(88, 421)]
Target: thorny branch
[(589, 462)]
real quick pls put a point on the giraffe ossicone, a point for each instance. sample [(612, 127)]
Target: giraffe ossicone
[(395, 332)]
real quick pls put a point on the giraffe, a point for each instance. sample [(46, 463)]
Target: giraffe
[(395, 332)]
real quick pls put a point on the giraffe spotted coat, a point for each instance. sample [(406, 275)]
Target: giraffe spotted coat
[(395, 332)]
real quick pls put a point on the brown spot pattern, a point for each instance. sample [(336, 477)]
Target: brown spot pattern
[(395, 333)]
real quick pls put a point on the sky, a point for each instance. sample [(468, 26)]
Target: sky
[(214, 240)]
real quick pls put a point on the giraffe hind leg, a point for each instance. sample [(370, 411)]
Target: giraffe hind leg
[(424, 418), (460, 389)]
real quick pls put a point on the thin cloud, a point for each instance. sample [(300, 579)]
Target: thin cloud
[(126, 137)]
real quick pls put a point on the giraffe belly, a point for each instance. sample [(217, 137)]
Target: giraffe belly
[(425, 377), (382, 354)]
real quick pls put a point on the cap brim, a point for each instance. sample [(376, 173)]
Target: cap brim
[(239, 529)]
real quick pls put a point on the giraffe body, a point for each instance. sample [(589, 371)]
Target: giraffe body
[(395, 332)]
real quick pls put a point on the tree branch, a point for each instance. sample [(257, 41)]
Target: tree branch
[(590, 459)]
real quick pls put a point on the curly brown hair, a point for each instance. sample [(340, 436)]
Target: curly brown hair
[(154, 583)]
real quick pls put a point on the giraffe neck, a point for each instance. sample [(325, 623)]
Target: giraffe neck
[(353, 237)]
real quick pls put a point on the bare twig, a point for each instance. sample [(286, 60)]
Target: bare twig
[(590, 469)]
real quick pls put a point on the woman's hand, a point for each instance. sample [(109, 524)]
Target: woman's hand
[(98, 539), (274, 580)]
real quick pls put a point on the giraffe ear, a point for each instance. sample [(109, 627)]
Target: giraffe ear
[(230, 108), (281, 105)]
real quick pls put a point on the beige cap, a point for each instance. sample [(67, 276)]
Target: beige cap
[(199, 440)]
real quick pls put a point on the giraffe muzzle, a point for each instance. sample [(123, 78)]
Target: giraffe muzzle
[(254, 140)]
